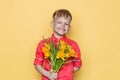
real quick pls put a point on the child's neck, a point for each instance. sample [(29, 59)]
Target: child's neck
[(58, 36)]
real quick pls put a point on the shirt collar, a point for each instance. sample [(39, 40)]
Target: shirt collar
[(56, 39)]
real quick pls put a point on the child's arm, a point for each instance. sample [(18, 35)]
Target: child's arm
[(77, 62), (46, 73)]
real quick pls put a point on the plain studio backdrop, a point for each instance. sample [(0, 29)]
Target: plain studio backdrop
[(95, 26)]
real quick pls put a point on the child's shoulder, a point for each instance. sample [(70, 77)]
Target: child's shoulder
[(42, 41), (71, 41)]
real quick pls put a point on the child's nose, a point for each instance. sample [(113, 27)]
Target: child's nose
[(63, 25)]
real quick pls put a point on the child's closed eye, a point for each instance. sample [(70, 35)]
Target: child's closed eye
[(66, 24), (59, 22)]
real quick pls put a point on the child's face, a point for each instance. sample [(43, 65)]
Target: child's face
[(61, 26)]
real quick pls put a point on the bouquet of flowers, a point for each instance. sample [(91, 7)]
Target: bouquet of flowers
[(58, 55)]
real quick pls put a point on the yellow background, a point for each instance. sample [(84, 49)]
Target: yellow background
[(95, 26)]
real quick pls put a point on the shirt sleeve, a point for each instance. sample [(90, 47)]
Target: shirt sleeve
[(77, 62), (39, 55)]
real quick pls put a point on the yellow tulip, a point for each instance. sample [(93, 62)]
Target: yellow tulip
[(47, 46), (72, 53), (62, 45), (47, 55), (61, 55), (46, 50)]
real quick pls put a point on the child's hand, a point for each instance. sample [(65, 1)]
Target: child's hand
[(53, 75)]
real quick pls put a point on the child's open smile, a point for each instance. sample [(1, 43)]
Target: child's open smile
[(61, 26)]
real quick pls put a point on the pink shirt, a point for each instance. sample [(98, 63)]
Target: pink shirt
[(66, 72)]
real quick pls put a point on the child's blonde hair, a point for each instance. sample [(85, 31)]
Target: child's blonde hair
[(62, 13)]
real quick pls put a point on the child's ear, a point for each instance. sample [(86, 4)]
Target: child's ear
[(70, 26), (51, 23)]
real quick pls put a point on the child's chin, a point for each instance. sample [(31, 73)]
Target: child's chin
[(62, 34)]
